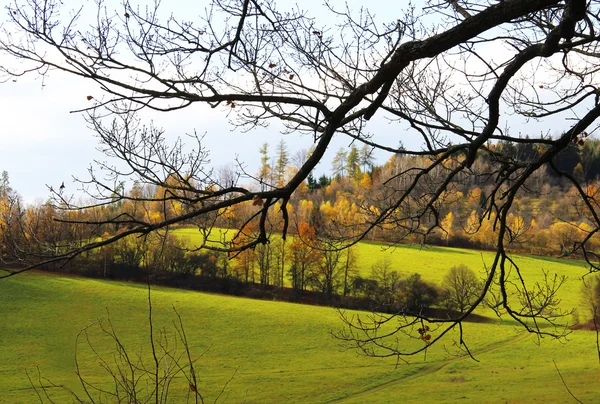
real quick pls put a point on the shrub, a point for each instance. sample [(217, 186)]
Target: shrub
[(415, 294)]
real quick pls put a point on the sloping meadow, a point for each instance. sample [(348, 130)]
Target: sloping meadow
[(263, 351), (432, 263)]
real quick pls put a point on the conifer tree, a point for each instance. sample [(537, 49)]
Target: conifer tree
[(353, 163), (265, 172), (282, 162)]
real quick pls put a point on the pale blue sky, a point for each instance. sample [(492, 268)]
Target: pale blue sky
[(41, 143)]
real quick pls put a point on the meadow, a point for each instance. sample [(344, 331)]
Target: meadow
[(432, 263), (283, 352)]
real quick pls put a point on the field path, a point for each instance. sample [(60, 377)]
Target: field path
[(433, 368)]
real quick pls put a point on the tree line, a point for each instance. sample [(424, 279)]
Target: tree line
[(325, 216), (547, 218)]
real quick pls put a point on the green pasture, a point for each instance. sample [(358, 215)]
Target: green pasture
[(276, 352), (432, 263)]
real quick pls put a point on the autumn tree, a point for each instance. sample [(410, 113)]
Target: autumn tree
[(446, 226), (387, 279), (265, 263), (349, 269), (12, 233), (304, 256), (460, 286), (244, 266), (426, 71), (327, 276), (339, 163), (280, 259), (591, 299), (366, 157), (132, 252)]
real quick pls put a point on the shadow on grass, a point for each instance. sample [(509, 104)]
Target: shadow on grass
[(416, 247)]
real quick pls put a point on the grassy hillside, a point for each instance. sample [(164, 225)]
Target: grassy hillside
[(282, 352), (433, 263)]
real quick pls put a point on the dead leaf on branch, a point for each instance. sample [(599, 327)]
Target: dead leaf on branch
[(257, 201)]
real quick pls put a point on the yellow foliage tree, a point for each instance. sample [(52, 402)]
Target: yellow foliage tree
[(365, 183), (446, 225)]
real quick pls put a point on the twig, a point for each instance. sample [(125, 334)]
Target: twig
[(565, 384)]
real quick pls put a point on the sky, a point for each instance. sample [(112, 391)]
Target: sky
[(43, 144)]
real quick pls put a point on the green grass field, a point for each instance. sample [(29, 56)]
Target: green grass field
[(284, 352), (432, 263)]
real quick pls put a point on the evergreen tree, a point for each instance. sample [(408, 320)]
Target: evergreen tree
[(353, 163), (282, 162), (4, 185), (590, 157), (324, 181), (566, 160), (312, 183), (265, 169)]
